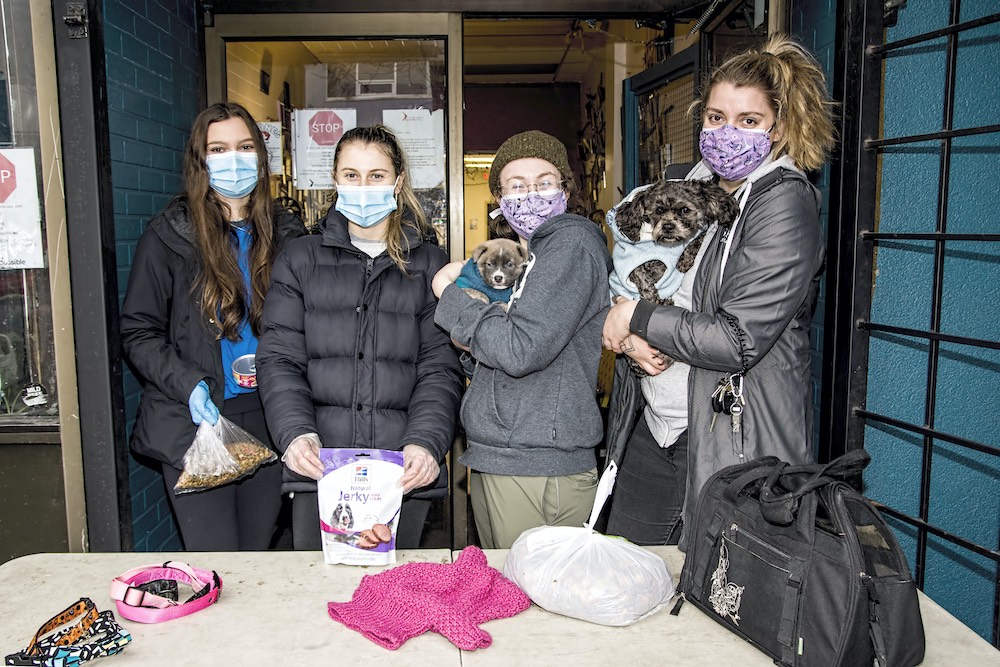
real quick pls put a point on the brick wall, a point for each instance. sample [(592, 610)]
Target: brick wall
[(155, 77)]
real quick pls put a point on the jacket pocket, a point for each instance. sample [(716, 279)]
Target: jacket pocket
[(163, 428), (484, 407)]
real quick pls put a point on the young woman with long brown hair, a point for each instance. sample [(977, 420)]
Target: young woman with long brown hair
[(193, 305)]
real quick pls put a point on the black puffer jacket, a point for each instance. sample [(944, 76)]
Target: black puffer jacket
[(164, 336), (350, 350)]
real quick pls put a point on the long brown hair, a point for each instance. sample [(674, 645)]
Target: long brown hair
[(395, 241), (220, 281), (793, 82)]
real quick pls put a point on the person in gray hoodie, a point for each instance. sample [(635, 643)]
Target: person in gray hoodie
[(530, 413), (766, 119)]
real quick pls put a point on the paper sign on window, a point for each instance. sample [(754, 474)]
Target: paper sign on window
[(20, 216)]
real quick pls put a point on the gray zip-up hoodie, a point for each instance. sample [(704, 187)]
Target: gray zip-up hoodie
[(531, 409)]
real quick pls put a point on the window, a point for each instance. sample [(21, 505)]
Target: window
[(378, 79)]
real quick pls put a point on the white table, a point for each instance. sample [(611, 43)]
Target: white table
[(273, 611), (690, 638)]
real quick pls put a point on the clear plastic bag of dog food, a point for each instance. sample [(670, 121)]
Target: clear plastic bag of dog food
[(581, 573), (219, 455)]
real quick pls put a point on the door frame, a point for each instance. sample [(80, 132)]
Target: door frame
[(680, 64)]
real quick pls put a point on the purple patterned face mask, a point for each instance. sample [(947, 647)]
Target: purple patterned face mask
[(732, 153), (525, 214)]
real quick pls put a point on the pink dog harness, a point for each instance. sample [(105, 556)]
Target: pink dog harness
[(133, 591)]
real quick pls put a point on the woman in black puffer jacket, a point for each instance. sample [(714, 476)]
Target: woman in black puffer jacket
[(350, 355)]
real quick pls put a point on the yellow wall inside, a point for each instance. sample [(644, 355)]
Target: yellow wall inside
[(477, 198), (282, 60)]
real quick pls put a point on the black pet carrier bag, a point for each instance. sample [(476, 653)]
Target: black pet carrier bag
[(795, 561)]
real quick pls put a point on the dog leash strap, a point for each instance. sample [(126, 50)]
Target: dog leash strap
[(103, 636), (731, 234), (143, 606), (84, 609)]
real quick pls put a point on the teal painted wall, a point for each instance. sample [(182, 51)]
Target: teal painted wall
[(155, 75), (965, 485)]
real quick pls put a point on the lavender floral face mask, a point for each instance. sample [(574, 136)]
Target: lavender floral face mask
[(732, 153), (526, 214)]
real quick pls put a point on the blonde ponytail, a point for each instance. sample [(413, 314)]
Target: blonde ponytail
[(793, 82)]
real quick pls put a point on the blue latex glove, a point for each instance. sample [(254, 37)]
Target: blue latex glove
[(201, 405)]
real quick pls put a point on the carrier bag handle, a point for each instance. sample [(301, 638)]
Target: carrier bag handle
[(780, 508), (755, 470), (604, 488)]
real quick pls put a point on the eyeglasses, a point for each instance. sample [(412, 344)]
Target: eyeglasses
[(547, 187)]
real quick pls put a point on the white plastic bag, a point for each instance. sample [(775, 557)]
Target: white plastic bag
[(581, 573)]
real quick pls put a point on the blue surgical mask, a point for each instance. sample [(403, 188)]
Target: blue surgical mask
[(232, 174), (366, 205)]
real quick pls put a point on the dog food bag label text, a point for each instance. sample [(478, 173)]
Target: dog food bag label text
[(359, 489)]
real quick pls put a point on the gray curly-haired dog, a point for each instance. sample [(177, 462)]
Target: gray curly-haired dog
[(671, 213)]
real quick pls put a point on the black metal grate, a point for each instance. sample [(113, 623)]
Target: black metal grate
[(860, 64)]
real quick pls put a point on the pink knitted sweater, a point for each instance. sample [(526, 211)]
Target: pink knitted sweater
[(451, 599)]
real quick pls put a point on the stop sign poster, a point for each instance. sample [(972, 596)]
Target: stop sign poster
[(315, 133), (20, 216), (272, 141)]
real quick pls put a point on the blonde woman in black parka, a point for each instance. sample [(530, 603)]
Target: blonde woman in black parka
[(350, 355)]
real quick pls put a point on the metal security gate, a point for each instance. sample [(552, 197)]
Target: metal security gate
[(912, 337)]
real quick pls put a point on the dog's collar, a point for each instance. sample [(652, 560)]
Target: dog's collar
[(93, 635), (133, 593)]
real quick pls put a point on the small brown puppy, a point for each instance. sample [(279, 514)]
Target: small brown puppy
[(493, 269)]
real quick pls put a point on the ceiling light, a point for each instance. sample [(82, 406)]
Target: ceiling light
[(478, 160)]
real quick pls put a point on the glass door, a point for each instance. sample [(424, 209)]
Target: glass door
[(28, 395), (318, 89), (308, 78)]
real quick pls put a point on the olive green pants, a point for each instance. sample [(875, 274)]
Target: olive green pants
[(505, 506)]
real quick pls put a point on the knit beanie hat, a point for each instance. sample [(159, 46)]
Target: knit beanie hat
[(532, 143), (449, 598)]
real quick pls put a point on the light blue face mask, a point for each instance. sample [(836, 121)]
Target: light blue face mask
[(366, 205), (232, 174)]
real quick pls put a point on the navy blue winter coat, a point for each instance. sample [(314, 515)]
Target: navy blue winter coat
[(349, 349)]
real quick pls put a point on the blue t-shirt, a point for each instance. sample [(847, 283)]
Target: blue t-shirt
[(247, 343)]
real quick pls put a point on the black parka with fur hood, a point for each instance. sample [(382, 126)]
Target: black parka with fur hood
[(350, 350)]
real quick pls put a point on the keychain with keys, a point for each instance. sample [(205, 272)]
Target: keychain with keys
[(724, 398), (736, 408)]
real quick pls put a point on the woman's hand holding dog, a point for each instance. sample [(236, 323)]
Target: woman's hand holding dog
[(419, 468), (302, 456), (617, 337), (648, 357), (616, 325), (445, 276)]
